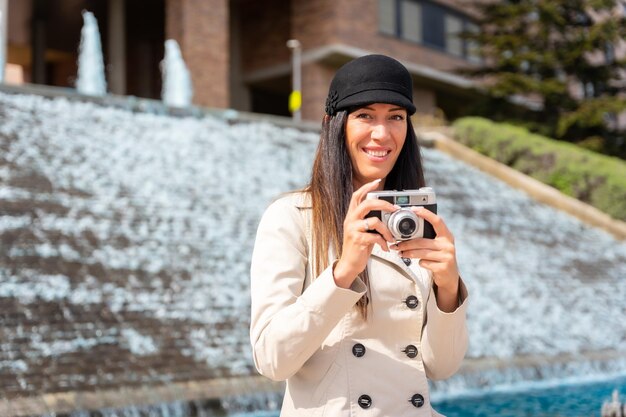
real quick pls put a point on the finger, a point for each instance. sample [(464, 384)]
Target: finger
[(430, 265), (438, 224), (381, 242), (420, 243), (376, 225), (426, 255), (370, 239), (359, 195), (374, 204)]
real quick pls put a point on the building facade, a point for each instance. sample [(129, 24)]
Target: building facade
[(236, 49)]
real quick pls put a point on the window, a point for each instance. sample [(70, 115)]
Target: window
[(411, 15), (454, 26), (433, 24), (430, 24), (472, 49), (387, 22)]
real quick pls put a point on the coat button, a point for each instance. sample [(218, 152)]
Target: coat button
[(407, 261), (365, 401), (411, 302), (411, 351), (417, 400), (358, 350)]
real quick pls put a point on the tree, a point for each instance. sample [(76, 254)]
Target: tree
[(561, 53)]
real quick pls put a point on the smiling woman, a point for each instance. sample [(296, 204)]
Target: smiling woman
[(375, 135), (352, 319)]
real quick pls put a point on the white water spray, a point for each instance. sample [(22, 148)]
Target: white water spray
[(177, 89), (91, 79)]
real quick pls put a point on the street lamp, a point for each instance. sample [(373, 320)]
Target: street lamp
[(295, 98)]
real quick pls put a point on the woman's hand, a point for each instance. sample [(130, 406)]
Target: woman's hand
[(439, 256), (358, 242)]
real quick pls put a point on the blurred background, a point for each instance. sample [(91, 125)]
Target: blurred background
[(141, 140)]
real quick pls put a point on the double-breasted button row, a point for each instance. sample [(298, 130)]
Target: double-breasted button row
[(411, 302), (410, 351), (365, 401)]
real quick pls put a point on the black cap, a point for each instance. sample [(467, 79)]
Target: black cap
[(370, 79)]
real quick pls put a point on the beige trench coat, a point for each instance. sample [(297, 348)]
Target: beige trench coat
[(309, 333)]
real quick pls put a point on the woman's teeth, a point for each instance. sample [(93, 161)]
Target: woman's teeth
[(378, 154)]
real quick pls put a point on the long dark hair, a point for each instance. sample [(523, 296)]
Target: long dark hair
[(331, 189)]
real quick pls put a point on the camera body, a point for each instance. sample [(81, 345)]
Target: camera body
[(404, 224)]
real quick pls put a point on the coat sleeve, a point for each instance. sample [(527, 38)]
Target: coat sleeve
[(445, 337), (289, 325)]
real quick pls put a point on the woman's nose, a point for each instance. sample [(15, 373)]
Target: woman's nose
[(379, 131)]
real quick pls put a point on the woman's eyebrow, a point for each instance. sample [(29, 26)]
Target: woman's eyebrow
[(390, 110)]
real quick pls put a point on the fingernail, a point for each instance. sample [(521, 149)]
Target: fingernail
[(397, 207), (378, 180)]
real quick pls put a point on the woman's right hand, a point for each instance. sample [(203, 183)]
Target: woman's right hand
[(358, 242)]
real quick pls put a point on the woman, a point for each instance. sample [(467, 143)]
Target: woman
[(354, 321)]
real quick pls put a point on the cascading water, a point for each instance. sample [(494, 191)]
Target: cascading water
[(177, 89), (135, 231), (91, 80)]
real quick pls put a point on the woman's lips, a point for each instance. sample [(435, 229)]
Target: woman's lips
[(377, 155)]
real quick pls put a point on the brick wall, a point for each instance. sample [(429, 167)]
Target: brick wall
[(265, 32), (201, 29), (316, 78), (355, 23)]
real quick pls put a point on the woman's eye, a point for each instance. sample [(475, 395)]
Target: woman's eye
[(362, 116), (397, 117)]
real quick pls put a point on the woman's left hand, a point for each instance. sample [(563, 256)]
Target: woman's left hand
[(438, 255)]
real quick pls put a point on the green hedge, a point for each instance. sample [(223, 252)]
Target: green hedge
[(593, 178)]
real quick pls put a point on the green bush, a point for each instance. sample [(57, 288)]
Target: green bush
[(590, 177)]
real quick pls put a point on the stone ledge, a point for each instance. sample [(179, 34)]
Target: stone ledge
[(474, 365), (151, 106), (536, 189), (66, 402)]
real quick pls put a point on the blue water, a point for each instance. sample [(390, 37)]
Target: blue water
[(570, 400)]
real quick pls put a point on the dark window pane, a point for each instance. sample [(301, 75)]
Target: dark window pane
[(433, 25)]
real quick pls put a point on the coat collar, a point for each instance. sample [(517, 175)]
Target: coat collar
[(414, 272), (393, 258)]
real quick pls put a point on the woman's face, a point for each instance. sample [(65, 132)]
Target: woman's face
[(375, 135)]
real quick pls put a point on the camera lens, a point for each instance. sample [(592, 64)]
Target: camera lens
[(407, 226), (404, 224)]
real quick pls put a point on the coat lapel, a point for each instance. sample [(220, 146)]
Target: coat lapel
[(393, 258), (413, 272)]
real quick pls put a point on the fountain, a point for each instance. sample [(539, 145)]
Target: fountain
[(177, 89), (613, 408), (90, 79), (125, 255)]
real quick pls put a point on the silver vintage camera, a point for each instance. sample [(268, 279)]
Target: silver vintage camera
[(404, 224)]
